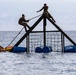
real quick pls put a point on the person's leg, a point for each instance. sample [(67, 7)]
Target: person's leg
[(51, 17), (25, 28), (23, 24), (27, 25)]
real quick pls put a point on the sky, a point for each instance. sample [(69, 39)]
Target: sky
[(63, 11)]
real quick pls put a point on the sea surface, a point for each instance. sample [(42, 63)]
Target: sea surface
[(54, 63)]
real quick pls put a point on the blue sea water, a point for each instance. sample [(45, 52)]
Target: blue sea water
[(54, 63), (7, 37)]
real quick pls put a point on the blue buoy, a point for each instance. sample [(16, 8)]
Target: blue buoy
[(38, 50), (47, 49), (19, 49), (70, 48)]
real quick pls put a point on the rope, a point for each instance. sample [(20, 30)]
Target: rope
[(35, 17), (16, 36), (21, 30)]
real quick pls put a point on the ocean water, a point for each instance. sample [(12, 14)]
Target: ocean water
[(54, 63), (6, 37)]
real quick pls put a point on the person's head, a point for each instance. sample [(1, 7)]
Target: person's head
[(23, 15), (45, 4)]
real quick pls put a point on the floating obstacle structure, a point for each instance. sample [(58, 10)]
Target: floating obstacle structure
[(44, 41)]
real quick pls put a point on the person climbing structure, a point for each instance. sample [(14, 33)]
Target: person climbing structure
[(22, 21), (45, 8)]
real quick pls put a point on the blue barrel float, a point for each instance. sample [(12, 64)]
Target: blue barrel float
[(19, 49), (70, 49), (47, 49), (38, 50)]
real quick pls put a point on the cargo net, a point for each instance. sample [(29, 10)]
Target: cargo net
[(53, 39)]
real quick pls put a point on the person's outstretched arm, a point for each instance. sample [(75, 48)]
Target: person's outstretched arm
[(41, 9)]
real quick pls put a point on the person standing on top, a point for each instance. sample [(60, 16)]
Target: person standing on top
[(22, 21), (45, 10)]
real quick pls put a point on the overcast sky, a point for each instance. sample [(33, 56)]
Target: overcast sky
[(63, 11)]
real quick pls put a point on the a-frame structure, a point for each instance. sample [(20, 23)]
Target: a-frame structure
[(43, 17)]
